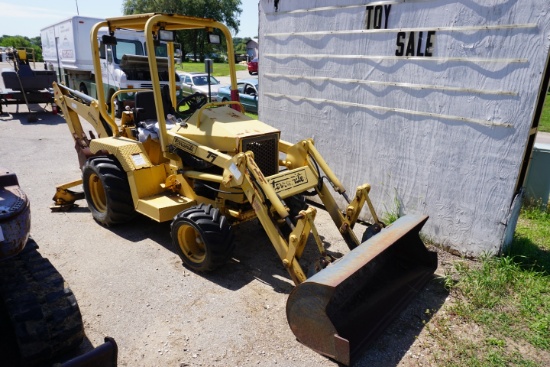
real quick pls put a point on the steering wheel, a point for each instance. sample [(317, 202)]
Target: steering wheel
[(192, 102)]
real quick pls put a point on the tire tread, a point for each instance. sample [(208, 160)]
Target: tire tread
[(215, 230)]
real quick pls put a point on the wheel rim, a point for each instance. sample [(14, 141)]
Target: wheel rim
[(191, 243), (97, 193)]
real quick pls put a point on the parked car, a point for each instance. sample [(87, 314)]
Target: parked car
[(191, 57), (248, 94), (253, 66), (198, 82)]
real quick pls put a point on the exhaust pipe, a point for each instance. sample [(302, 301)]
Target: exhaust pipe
[(340, 310)]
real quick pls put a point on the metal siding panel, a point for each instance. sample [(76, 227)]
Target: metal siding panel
[(444, 135)]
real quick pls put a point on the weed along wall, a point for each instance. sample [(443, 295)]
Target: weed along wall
[(431, 102)]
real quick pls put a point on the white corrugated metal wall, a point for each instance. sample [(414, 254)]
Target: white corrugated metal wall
[(429, 101)]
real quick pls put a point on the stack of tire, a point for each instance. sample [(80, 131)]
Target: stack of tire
[(39, 317)]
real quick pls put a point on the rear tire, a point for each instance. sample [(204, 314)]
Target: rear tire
[(107, 191), (202, 237)]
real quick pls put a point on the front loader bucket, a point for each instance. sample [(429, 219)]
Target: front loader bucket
[(344, 307)]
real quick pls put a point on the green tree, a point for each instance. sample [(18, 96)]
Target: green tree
[(23, 42), (224, 11), (240, 44)]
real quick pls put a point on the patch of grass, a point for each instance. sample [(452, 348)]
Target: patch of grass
[(507, 300), (500, 311), (393, 213), (252, 115), (460, 344), (544, 123), (531, 246), (219, 69)]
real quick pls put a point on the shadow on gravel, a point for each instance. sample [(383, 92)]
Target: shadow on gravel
[(394, 343), (254, 257), (39, 114), (142, 228)]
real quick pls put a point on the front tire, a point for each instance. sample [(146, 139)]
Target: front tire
[(202, 237), (107, 191)]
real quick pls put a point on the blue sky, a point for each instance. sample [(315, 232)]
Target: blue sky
[(28, 17)]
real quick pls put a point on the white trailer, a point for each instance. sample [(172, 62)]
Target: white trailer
[(66, 48), (438, 102)]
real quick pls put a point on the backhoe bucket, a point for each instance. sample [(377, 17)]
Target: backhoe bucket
[(344, 307)]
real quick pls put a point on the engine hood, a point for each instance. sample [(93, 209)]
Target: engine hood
[(224, 129)]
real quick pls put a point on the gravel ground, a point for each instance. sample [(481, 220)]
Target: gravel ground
[(130, 284)]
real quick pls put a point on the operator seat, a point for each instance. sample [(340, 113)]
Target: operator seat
[(145, 113), (144, 105), (166, 101)]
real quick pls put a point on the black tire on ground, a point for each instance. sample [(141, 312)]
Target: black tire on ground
[(45, 319), (202, 237), (295, 204), (107, 191)]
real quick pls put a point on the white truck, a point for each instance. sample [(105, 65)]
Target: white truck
[(66, 48)]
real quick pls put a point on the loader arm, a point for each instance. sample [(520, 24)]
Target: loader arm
[(305, 153), (263, 193), (244, 172)]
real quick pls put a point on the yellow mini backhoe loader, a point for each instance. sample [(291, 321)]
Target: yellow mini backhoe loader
[(207, 167)]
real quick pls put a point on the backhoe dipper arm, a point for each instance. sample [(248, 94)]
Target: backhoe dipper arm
[(74, 104), (73, 108)]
